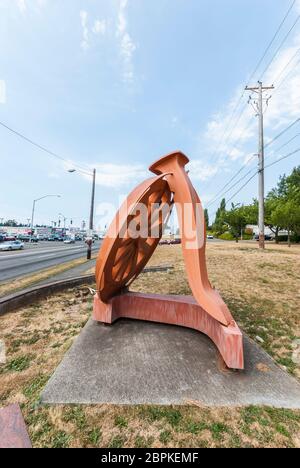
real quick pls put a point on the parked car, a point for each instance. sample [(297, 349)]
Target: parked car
[(34, 239), (13, 245), (42, 237), (267, 237), (175, 242), (2, 237), (69, 240), (55, 237), (210, 237), (9, 238), (164, 242), (23, 237)]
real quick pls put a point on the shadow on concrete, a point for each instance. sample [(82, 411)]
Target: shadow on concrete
[(136, 362)]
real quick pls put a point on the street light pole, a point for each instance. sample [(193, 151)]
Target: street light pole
[(91, 226), (33, 209), (91, 222)]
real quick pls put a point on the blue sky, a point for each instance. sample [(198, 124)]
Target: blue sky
[(115, 84)]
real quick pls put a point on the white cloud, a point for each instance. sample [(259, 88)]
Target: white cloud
[(99, 28), (118, 175), (199, 171), (2, 92), (127, 45), (241, 137), (85, 30), (22, 5)]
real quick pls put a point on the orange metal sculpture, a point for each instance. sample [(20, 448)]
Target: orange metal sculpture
[(123, 256)]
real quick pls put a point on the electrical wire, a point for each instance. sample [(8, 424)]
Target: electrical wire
[(250, 79), (221, 194), (43, 148), (280, 47), (282, 133), (283, 158), (266, 167)]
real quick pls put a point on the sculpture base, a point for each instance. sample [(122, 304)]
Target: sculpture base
[(174, 310)]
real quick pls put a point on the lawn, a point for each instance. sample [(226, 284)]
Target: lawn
[(262, 291)]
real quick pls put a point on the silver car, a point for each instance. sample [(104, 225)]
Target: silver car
[(13, 245)]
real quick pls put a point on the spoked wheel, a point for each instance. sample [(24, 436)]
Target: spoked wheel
[(133, 237)]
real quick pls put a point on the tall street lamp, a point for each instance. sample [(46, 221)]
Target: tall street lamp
[(92, 207), (33, 207)]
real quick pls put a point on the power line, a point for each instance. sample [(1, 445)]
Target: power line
[(266, 167), (42, 148), (286, 66), (273, 39), (285, 144), (282, 133), (251, 77), (286, 77), (283, 157), (241, 188), (230, 188), (280, 46), (221, 193)]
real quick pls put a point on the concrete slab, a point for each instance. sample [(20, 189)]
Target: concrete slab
[(13, 432), (136, 362)]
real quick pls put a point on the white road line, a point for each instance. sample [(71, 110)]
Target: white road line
[(34, 254)]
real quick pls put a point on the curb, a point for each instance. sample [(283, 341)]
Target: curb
[(28, 296)]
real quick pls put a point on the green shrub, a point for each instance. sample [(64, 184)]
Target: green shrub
[(226, 236)]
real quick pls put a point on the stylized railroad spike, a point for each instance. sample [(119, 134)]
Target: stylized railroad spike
[(120, 262)]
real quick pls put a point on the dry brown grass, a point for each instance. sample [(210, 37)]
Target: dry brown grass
[(37, 338), (260, 288)]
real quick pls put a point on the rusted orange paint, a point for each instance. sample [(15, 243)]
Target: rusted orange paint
[(121, 260)]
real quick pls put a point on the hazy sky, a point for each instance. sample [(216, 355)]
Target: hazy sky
[(115, 84)]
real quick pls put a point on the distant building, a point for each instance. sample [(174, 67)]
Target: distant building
[(268, 231)]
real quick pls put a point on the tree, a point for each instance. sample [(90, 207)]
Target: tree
[(11, 223), (250, 212), (206, 217), (219, 227), (237, 220), (287, 216), (282, 204)]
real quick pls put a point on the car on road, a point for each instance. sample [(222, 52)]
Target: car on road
[(69, 240), (13, 245), (210, 237), (2, 238)]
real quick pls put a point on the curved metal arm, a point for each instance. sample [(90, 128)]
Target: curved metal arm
[(193, 234)]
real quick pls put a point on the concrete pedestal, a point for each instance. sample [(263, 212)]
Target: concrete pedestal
[(183, 311)]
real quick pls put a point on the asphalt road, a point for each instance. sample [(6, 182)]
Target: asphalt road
[(36, 257)]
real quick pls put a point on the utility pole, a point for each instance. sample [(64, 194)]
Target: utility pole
[(91, 225), (261, 155)]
